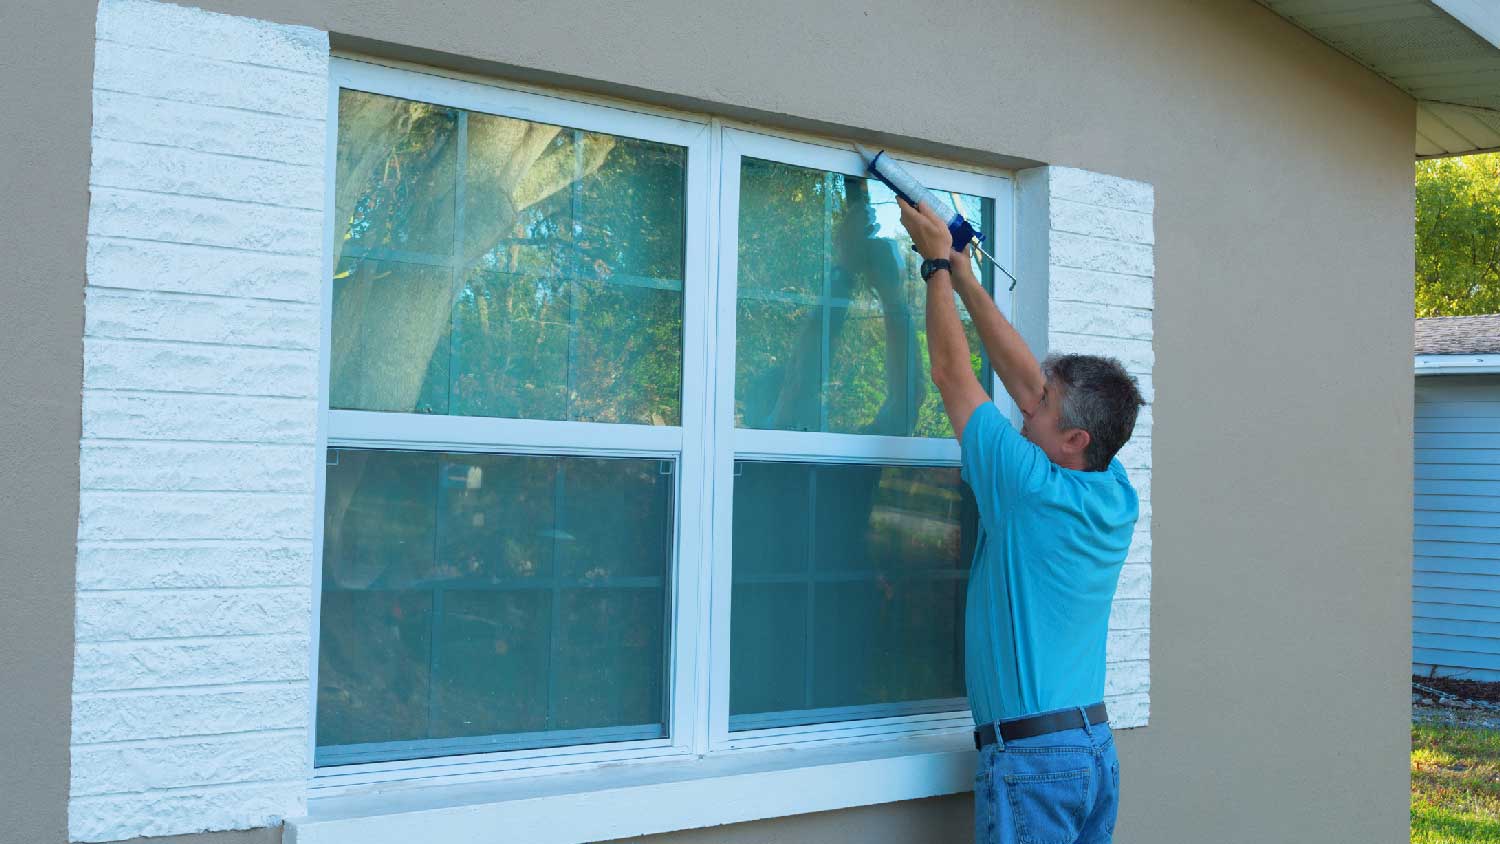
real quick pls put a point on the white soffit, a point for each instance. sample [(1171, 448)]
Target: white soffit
[(1445, 53)]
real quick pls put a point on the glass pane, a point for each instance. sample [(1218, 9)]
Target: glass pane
[(772, 518), (609, 658), (364, 374), (493, 649), (768, 647), (861, 614), (491, 266), (478, 602), (396, 174), (830, 316), (372, 666)]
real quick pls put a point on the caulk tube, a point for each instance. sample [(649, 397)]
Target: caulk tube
[(896, 177)]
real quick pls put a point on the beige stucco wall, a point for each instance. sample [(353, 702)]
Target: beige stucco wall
[(1282, 489)]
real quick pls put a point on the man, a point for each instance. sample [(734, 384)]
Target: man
[(1056, 515)]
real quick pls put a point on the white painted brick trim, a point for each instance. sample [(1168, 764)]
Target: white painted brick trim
[(1092, 238), (202, 319)]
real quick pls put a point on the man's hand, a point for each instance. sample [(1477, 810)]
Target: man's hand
[(929, 232)]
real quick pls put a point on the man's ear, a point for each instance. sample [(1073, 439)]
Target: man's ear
[(1076, 440)]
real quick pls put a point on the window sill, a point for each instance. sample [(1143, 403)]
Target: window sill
[(618, 801)]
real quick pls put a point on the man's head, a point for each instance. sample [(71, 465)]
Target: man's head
[(1087, 411)]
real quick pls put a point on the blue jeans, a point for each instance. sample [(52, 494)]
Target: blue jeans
[(1059, 788)]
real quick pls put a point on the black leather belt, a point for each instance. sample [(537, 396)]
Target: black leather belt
[(1039, 725)]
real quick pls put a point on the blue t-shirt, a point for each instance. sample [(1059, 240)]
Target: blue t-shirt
[(1051, 543)]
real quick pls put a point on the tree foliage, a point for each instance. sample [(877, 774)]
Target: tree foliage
[(1458, 236)]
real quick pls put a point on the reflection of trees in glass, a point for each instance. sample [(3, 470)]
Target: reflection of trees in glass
[(493, 266), (498, 267), (830, 321)]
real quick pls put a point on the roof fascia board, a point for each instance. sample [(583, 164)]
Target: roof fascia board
[(1458, 364)]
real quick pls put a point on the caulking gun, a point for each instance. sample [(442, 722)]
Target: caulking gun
[(887, 170)]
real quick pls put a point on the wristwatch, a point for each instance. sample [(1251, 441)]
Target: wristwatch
[(932, 265)]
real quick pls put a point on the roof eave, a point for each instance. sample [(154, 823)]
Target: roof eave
[(1444, 53)]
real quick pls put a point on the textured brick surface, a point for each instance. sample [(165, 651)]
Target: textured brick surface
[(185, 416), (162, 71), (198, 467), (1068, 284), (207, 661), (135, 715), (184, 810), (191, 703), (152, 565), (192, 173), (1082, 186), (197, 368), (186, 613), (141, 315), (191, 268), (204, 128), (186, 763), (240, 226)]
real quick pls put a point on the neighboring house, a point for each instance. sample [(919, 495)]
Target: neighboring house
[(507, 422), (1456, 536)]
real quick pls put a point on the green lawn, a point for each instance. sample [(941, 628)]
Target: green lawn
[(1455, 785)]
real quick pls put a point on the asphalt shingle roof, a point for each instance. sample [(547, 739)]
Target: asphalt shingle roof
[(1465, 335)]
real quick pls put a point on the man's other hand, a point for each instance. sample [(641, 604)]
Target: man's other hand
[(929, 232)]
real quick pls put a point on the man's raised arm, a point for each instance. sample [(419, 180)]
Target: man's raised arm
[(1012, 359), (947, 347)]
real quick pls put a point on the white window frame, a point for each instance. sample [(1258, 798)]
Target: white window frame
[(704, 446)]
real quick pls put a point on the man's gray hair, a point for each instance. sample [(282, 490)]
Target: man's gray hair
[(1099, 397)]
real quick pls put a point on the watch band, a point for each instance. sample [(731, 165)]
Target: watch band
[(932, 265)]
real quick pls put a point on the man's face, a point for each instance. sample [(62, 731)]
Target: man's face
[(1044, 428)]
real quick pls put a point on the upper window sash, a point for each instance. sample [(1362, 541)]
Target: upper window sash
[(768, 441), (499, 426)]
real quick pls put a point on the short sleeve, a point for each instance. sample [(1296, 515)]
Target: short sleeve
[(998, 463)]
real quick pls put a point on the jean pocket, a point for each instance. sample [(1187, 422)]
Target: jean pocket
[(1049, 808)]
